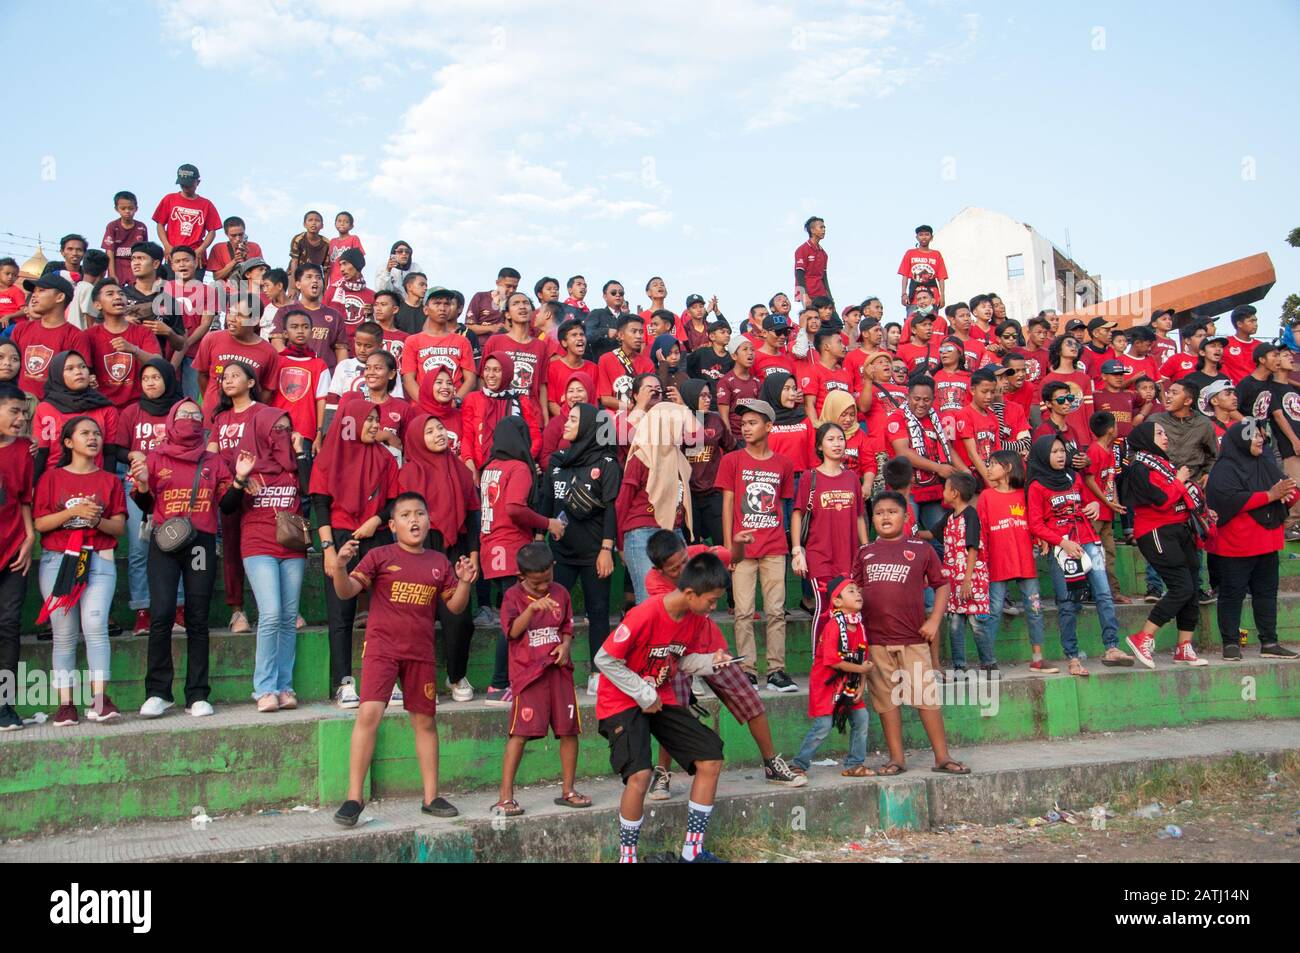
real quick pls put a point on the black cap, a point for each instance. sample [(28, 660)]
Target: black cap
[(1263, 350), (1074, 325), (54, 281), (1096, 323), (187, 171), (694, 299), (1241, 311), (1218, 338), (1113, 367), (776, 322), (354, 258), (924, 228), (1159, 311)]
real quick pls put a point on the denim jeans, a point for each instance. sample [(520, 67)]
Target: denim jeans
[(1033, 610), (821, 727), (276, 585), (189, 379), (89, 617), (137, 560), (957, 624), (1068, 603), (635, 559)]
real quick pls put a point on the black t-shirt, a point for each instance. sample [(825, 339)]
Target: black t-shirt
[(1202, 380), (1255, 397), (706, 365), (409, 319), (1286, 398)]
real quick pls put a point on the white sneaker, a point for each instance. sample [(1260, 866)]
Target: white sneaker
[(486, 618), (396, 697), (239, 623), (199, 710), (593, 684), (346, 696), (462, 691), (154, 707)]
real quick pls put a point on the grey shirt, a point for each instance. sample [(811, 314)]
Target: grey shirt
[(1192, 442)]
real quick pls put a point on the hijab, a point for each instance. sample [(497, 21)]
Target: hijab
[(692, 390), (274, 449), (65, 400), (512, 441), (583, 378), (771, 392), (507, 377), (353, 473), (1238, 475), (586, 448), (429, 404), (838, 401), (1146, 456), (1041, 469), (657, 443), (182, 439), (441, 478), (171, 395)]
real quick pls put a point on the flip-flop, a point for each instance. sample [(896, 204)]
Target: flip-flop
[(943, 768), (858, 771), (509, 808), (891, 769), (1125, 662), (573, 799)]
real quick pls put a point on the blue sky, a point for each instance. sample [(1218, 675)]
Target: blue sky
[(686, 139)]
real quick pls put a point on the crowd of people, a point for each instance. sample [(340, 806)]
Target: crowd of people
[(228, 416)]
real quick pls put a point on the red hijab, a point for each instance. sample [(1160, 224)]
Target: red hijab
[(441, 478), (427, 403), (353, 473), (583, 378), (274, 448), (183, 439)]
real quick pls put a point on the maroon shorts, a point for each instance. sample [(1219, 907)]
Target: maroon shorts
[(732, 687), (419, 682), (550, 703)]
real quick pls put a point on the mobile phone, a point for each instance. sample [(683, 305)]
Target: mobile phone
[(563, 517), (735, 660)]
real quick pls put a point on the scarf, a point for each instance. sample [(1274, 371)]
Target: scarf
[(298, 350), (72, 577), (352, 473), (441, 478), (183, 439), (1146, 459), (171, 394), (500, 404), (916, 437), (1238, 475), (65, 400), (657, 443), (838, 401), (771, 392), (274, 449), (1041, 469), (849, 681)]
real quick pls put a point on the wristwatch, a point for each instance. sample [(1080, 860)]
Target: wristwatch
[(327, 543)]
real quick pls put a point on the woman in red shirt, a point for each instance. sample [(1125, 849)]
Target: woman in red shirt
[(483, 409), (951, 382), (393, 413), (1250, 496), (68, 394), (1063, 361), (437, 398), (580, 389), (80, 511), (1166, 507), (793, 435), (1058, 517)]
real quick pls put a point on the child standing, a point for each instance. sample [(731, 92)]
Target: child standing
[(537, 619), (121, 235), (301, 381), (406, 581), (344, 222), (1099, 488), (838, 682), (966, 571)]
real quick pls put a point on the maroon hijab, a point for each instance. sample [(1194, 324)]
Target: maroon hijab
[(353, 473), (441, 478)]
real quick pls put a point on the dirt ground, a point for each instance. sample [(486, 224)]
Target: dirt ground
[(1238, 811)]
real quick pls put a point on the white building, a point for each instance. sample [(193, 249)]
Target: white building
[(991, 252)]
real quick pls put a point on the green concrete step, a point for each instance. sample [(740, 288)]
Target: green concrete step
[(239, 760)]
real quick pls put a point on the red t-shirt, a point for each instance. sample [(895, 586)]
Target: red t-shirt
[(924, 267), (138, 430), (1036, 365), (1009, 548), (117, 244), (337, 247), (982, 427), (425, 352), (1121, 405), (656, 583), (529, 361), (1056, 514), (759, 487), (394, 343), (1092, 360), (833, 533), (185, 220), (298, 383), (926, 486), (38, 344), (404, 591), (881, 407), (826, 681), (1238, 359), (60, 488), (732, 390), (1101, 467), (530, 652), (11, 299), (652, 644), (765, 364), (220, 255), (897, 572), (171, 483), (811, 260), (860, 453), (1179, 366), (276, 492), (190, 299), (219, 348), (633, 509), (15, 492), (819, 380), (951, 391), (976, 354), (1162, 350), (1136, 367), (117, 374), (327, 330), (229, 428), (795, 442), (917, 355), (614, 380), (558, 375), (47, 425), (394, 414), (503, 488), (353, 303)]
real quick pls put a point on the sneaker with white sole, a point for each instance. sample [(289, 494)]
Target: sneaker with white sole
[(1274, 650), (462, 691), (779, 681), (1143, 647), (10, 720), (396, 697), (778, 772), (200, 709), (154, 707), (499, 698), (1185, 654), (660, 783), (239, 623), (346, 695), (102, 709), (593, 683), (486, 618)]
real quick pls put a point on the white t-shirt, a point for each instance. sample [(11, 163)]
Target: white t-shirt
[(347, 379)]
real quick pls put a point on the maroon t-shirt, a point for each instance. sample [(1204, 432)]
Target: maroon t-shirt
[(15, 490), (117, 374), (404, 592), (60, 488), (327, 329), (482, 311), (1121, 405), (38, 344), (138, 430), (117, 243), (759, 486), (171, 482), (275, 492), (219, 348), (731, 390), (833, 533), (706, 456), (897, 572), (530, 653), (230, 428), (504, 487)]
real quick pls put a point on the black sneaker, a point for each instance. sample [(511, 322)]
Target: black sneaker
[(1154, 594), (660, 784), (990, 670), (115, 631), (45, 635), (1232, 653), (1274, 650), (778, 772), (439, 807), (753, 679), (1207, 596), (703, 857), (778, 681), (10, 720), (348, 814)]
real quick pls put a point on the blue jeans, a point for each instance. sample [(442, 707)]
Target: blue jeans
[(1033, 610), (1068, 603), (276, 585), (189, 379), (635, 560), (89, 617), (821, 727), (137, 560), (957, 639)]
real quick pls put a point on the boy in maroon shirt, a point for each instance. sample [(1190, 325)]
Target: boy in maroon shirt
[(894, 572), (738, 384), (537, 619), (47, 333), (121, 234), (17, 535), (406, 583), (118, 348)]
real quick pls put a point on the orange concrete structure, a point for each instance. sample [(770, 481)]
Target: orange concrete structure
[(1207, 293)]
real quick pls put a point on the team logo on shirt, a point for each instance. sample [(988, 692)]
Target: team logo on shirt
[(622, 634), (523, 380), (294, 382), (118, 366), (429, 691), (187, 218), (1262, 403), (909, 555), (760, 498), (36, 358), (1291, 405)]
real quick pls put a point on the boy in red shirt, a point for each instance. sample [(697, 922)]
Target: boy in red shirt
[(1099, 487), (919, 354), (301, 381), (771, 355), (242, 343), (12, 298), (186, 218), (17, 534), (738, 384), (343, 223), (47, 333), (977, 429), (571, 360), (439, 345), (406, 583), (827, 374), (618, 368), (923, 267), (122, 234), (118, 347)]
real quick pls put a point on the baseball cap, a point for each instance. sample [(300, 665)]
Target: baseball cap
[(1096, 323), (1074, 325), (1159, 311), (1241, 311), (1215, 387), (757, 406), (1263, 350), (694, 299), (54, 281), (252, 263), (983, 374), (1112, 367), (187, 171), (924, 228), (1217, 339), (776, 322)]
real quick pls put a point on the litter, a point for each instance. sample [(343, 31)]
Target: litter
[(825, 763), (888, 860), (305, 809), (39, 718), (1149, 811), (199, 820), (1170, 832)]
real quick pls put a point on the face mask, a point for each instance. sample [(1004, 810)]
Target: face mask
[(928, 309)]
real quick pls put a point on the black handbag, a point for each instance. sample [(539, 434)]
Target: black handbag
[(177, 532), (808, 511)]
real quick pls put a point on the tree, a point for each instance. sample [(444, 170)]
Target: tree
[(1294, 238)]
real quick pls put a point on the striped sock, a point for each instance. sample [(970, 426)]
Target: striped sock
[(697, 822), (628, 833)]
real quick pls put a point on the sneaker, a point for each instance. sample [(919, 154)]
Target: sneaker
[(45, 634), (1012, 609), (1207, 596), (778, 772), (102, 709), (141, 626), (462, 691), (178, 624), (115, 631), (10, 720), (268, 703), (1292, 533), (439, 807), (778, 681), (396, 697), (499, 698), (1185, 654), (65, 716), (346, 694), (154, 706), (659, 784), (1232, 653), (753, 679), (1153, 594), (1040, 667), (1274, 650), (703, 857), (593, 683), (239, 623), (486, 618), (288, 701), (348, 814), (200, 709), (1143, 647)]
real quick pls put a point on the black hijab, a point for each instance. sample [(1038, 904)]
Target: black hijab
[(586, 449), (771, 392), (691, 391), (1040, 465), (1142, 439), (1135, 484), (67, 401), (1238, 475), (171, 395), (512, 441)]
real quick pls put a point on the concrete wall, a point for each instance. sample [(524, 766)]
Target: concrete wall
[(975, 246)]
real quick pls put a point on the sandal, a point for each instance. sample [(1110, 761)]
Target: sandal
[(858, 771), (891, 768), (1120, 658), (573, 799), (508, 808), (1077, 669), (950, 767)]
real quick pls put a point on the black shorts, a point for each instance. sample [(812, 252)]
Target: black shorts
[(673, 726)]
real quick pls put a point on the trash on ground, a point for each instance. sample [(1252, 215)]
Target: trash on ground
[(825, 763), (199, 820), (1149, 811), (1170, 832)]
